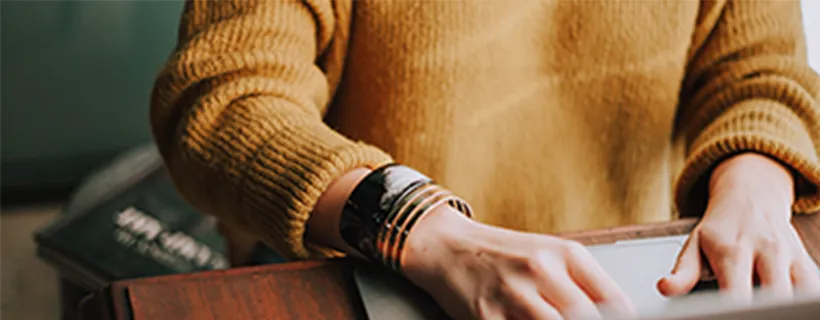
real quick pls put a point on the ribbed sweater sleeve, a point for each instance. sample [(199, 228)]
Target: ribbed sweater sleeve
[(749, 88), (237, 115)]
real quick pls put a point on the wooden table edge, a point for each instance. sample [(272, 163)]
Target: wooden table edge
[(119, 306)]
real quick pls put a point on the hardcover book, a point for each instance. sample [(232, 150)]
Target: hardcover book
[(128, 221)]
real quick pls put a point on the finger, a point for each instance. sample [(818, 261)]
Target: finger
[(597, 284), (805, 276), (687, 270), (531, 306), (563, 294), (732, 266), (489, 310), (774, 271)]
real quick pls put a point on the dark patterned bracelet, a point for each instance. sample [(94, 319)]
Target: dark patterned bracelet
[(368, 206)]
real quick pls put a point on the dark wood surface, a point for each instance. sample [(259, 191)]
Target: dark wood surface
[(306, 290)]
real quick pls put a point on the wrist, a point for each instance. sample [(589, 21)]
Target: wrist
[(436, 234), (752, 173), (753, 183), (384, 206)]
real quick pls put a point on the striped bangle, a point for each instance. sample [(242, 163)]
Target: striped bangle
[(382, 209), (410, 208)]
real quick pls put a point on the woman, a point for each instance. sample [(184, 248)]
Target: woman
[(544, 116)]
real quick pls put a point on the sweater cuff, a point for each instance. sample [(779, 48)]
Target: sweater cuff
[(290, 172), (762, 126)]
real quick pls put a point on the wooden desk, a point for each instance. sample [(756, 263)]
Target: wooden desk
[(305, 290)]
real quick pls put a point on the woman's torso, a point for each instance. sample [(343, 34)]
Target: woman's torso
[(546, 116)]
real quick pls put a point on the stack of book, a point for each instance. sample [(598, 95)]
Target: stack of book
[(128, 221)]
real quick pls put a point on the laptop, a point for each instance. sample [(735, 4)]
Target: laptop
[(636, 265)]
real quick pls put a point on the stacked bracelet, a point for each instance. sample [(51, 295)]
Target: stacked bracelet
[(406, 212), (384, 207)]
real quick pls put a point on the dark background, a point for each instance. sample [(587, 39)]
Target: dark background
[(76, 81)]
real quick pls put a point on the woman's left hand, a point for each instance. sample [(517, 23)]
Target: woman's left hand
[(746, 234)]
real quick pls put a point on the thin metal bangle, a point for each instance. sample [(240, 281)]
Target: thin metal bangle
[(392, 215), (431, 193), (450, 199)]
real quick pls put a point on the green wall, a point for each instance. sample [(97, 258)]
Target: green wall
[(76, 80)]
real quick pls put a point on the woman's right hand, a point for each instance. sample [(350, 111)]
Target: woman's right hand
[(476, 271)]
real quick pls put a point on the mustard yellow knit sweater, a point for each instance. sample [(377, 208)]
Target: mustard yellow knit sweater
[(545, 115)]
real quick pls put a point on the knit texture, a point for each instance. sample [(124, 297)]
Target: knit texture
[(546, 116)]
